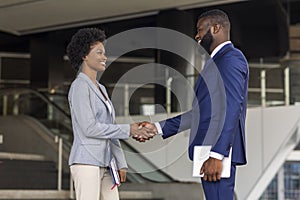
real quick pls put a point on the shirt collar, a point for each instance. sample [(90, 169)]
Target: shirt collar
[(215, 51)]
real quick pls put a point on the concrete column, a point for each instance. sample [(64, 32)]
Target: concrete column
[(47, 51), (39, 61), (182, 22), (47, 68)]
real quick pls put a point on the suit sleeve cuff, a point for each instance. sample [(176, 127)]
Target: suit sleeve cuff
[(159, 129), (216, 155)]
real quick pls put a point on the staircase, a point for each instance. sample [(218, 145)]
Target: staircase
[(27, 174), (31, 179)]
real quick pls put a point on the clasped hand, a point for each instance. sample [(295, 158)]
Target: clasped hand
[(142, 131)]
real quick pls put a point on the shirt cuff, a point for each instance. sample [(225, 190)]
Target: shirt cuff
[(159, 129), (216, 155)]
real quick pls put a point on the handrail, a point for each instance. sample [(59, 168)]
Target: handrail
[(39, 94)]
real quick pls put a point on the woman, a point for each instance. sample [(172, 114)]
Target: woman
[(96, 137)]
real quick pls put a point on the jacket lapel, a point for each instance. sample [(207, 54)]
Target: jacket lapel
[(218, 55), (109, 101), (96, 90)]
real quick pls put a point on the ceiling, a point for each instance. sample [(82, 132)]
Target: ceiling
[(23, 17)]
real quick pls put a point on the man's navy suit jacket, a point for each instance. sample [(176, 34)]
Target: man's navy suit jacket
[(233, 70)]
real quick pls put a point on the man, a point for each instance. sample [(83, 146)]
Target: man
[(213, 34)]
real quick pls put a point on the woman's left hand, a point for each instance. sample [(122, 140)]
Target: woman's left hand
[(122, 173)]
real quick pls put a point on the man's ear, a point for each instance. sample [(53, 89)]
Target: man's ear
[(84, 58), (216, 28)]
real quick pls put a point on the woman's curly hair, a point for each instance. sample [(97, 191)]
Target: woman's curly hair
[(80, 44)]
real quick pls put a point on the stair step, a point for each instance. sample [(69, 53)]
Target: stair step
[(29, 174), (65, 194), (34, 194)]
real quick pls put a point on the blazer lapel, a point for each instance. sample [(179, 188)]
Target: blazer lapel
[(109, 101), (218, 55), (206, 66), (95, 89)]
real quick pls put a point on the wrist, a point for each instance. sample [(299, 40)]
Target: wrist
[(216, 155)]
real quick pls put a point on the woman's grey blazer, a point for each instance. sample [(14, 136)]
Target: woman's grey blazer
[(96, 136)]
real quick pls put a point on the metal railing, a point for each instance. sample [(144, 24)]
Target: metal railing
[(263, 89)]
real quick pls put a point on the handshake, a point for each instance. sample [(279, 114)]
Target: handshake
[(142, 131)]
